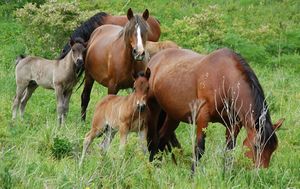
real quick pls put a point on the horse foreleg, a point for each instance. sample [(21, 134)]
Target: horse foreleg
[(19, 93), (123, 136), (60, 104), (29, 91), (142, 135), (67, 98), (152, 124), (86, 93), (200, 138), (231, 135), (166, 131)]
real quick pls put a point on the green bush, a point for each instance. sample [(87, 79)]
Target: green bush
[(61, 148), (201, 31), (48, 27)]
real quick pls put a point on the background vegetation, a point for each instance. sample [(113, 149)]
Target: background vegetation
[(35, 153)]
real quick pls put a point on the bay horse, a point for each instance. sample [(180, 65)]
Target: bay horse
[(85, 30), (154, 47), (114, 54), (227, 91), (123, 113), (59, 75)]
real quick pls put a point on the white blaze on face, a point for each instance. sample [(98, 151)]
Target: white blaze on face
[(140, 47)]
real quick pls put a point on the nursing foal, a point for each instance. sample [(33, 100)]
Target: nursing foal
[(123, 113), (59, 75)]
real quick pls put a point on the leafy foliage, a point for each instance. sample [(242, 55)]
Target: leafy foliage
[(61, 148), (48, 26)]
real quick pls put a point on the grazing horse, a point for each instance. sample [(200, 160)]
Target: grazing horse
[(85, 30), (123, 113), (222, 88), (114, 54), (59, 75)]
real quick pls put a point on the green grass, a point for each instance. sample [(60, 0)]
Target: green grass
[(27, 158)]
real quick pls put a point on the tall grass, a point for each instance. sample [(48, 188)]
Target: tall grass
[(28, 147)]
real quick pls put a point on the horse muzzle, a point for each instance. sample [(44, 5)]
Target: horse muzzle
[(79, 63), (141, 107), (138, 56)]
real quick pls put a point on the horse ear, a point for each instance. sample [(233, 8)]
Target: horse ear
[(146, 14), (278, 124), (71, 42), (129, 14), (148, 73)]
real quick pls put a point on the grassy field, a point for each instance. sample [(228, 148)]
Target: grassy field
[(265, 32)]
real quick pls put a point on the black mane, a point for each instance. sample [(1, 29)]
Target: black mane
[(84, 31), (262, 116)]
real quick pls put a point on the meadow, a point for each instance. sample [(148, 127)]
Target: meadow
[(36, 153)]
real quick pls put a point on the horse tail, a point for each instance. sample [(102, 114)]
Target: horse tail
[(19, 58), (84, 31), (263, 123), (81, 83)]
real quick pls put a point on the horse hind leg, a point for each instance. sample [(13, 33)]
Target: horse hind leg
[(109, 133), (89, 137), (29, 91), (85, 95), (16, 104)]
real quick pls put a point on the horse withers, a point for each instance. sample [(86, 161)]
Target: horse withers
[(114, 54), (223, 88), (59, 75), (123, 113)]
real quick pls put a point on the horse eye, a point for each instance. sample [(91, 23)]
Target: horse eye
[(133, 88)]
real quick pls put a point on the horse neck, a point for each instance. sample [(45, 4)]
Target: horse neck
[(67, 63), (130, 102)]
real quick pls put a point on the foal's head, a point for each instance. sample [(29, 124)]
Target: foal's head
[(78, 47), (136, 33), (141, 89)]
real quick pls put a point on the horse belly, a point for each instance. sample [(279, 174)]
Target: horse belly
[(176, 100)]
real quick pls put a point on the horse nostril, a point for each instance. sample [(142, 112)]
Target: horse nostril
[(134, 51), (143, 54)]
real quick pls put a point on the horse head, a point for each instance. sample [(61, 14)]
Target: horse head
[(78, 47), (141, 89), (136, 33)]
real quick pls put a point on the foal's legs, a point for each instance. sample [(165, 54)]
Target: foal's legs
[(19, 93), (143, 135), (60, 103), (123, 135), (29, 90), (67, 97), (86, 93), (109, 134), (89, 137)]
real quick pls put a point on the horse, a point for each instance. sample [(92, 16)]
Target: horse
[(59, 75), (85, 30), (154, 47), (218, 87), (113, 54), (123, 113)]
